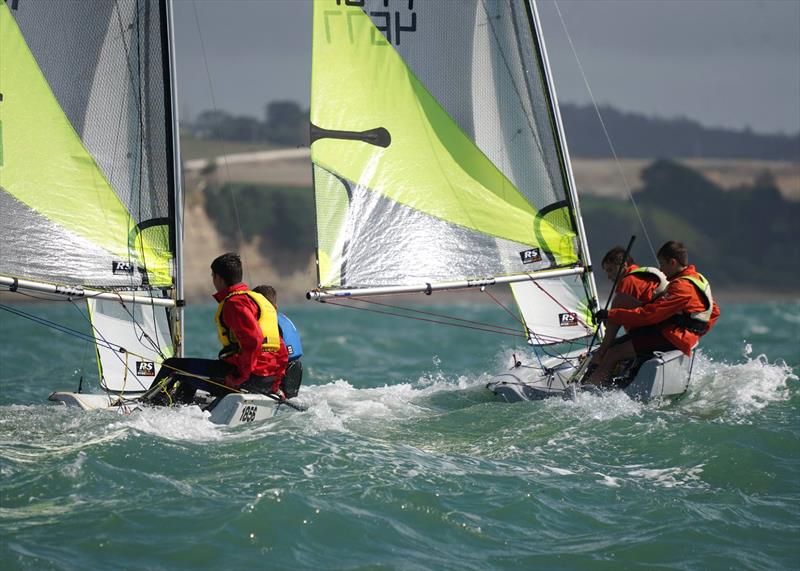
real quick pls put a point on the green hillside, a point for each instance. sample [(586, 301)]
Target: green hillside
[(740, 238)]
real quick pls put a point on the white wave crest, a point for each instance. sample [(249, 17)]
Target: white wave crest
[(737, 390), (179, 424)]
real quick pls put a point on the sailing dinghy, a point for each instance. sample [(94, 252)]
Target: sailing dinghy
[(90, 186), (440, 164)]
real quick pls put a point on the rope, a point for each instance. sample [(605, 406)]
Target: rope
[(522, 321), (119, 349), (487, 329), (558, 303), (239, 233), (605, 131), (57, 326), (422, 312)]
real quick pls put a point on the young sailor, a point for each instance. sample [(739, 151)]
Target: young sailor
[(253, 356), (636, 285), (675, 320), (291, 337)]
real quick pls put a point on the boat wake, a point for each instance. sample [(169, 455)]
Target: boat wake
[(736, 391), (719, 390)]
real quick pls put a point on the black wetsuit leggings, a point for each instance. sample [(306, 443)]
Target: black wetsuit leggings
[(214, 369)]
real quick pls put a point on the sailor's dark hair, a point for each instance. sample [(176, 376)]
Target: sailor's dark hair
[(228, 267), (674, 250), (269, 292), (616, 256)]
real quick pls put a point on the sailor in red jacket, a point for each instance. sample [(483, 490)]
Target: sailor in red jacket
[(247, 326), (675, 320), (253, 356), (636, 285)]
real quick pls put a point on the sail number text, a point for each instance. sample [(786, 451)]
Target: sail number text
[(248, 414), (391, 23)]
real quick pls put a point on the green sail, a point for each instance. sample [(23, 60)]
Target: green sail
[(360, 82), (46, 166)]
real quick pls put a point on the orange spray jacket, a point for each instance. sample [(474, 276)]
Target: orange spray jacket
[(639, 284), (681, 297)]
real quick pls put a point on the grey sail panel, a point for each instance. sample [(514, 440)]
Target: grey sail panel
[(373, 241), (478, 59), (37, 248)]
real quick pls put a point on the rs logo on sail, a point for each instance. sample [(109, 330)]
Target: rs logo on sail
[(567, 319), (145, 369), (530, 256), (118, 267)]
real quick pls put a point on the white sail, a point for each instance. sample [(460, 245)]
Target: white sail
[(142, 330), (554, 310)]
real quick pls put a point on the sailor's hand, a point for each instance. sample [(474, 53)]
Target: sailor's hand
[(601, 315), (231, 381)]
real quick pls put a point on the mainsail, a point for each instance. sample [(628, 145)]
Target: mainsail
[(89, 185), (439, 160)]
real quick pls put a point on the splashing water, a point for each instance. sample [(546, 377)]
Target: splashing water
[(403, 445)]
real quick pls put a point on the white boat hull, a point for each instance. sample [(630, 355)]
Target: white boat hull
[(666, 375), (231, 410)]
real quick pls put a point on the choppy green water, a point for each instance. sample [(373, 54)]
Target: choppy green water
[(405, 461)]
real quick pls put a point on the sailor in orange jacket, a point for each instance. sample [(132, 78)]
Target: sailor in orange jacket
[(637, 285), (675, 320)]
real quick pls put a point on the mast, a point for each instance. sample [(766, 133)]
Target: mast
[(559, 128), (176, 196)]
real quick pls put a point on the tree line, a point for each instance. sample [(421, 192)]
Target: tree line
[(634, 135), (743, 237)]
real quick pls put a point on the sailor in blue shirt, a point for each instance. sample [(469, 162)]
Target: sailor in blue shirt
[(291, 337)]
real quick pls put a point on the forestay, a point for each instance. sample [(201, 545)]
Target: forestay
[(88, 184), (438, 159)]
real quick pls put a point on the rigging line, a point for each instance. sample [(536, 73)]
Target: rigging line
[(57, 326), (423, 319), (528, 331), (67, 330), (140, 332), (239, 233), (422, 312), (605, 131), (545, 338), (558, 303)]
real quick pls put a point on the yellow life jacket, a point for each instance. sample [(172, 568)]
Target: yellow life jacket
[(267, 321), (663, 283), (701, 283)]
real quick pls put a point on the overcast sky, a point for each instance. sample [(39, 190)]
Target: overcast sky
[(723, 63)]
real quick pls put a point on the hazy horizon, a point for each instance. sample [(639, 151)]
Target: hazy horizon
[(732, 65)]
